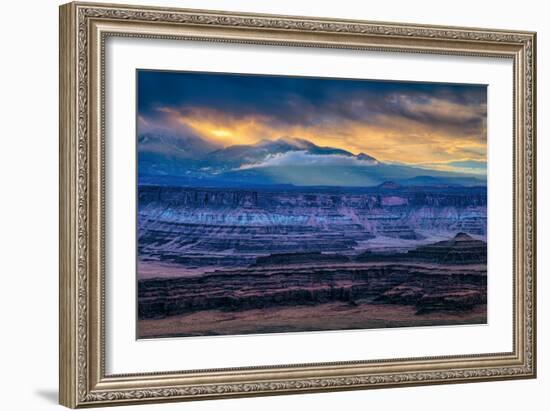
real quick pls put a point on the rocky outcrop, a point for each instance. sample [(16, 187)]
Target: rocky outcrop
[(462, 249)]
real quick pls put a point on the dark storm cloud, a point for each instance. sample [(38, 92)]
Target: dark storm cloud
[(285, 101)]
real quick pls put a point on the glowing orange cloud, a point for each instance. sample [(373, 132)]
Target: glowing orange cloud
[(390, 138)]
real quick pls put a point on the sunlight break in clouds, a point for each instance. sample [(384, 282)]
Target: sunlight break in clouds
[(391, 139)]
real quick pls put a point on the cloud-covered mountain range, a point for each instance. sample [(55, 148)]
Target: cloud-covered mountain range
[(191, 161)]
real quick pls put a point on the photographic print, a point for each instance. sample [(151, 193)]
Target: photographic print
[(269, 204)]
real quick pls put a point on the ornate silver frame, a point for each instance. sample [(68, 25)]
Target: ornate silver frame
[(83, 30)]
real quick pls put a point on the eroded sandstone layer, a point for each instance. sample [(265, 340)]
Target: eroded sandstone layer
[(426, 287)]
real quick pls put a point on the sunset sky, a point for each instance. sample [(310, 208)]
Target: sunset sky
[(438, 126)]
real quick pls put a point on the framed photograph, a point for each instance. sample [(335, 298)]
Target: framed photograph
[(259, 204)]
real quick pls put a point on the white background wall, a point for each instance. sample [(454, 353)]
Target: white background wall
[(28, 205)]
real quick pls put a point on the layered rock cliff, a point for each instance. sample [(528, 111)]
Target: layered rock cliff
[(229, 227)]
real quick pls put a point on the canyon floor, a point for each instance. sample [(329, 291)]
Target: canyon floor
[(322, 317)]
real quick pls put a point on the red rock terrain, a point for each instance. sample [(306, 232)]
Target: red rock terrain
[(424, 280)]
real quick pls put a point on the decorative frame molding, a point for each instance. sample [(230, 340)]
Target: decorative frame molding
[(83, 30)]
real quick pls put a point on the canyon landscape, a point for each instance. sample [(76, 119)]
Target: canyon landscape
[(242, 229)]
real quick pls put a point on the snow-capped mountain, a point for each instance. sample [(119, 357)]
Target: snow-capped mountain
[(240, 155)]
